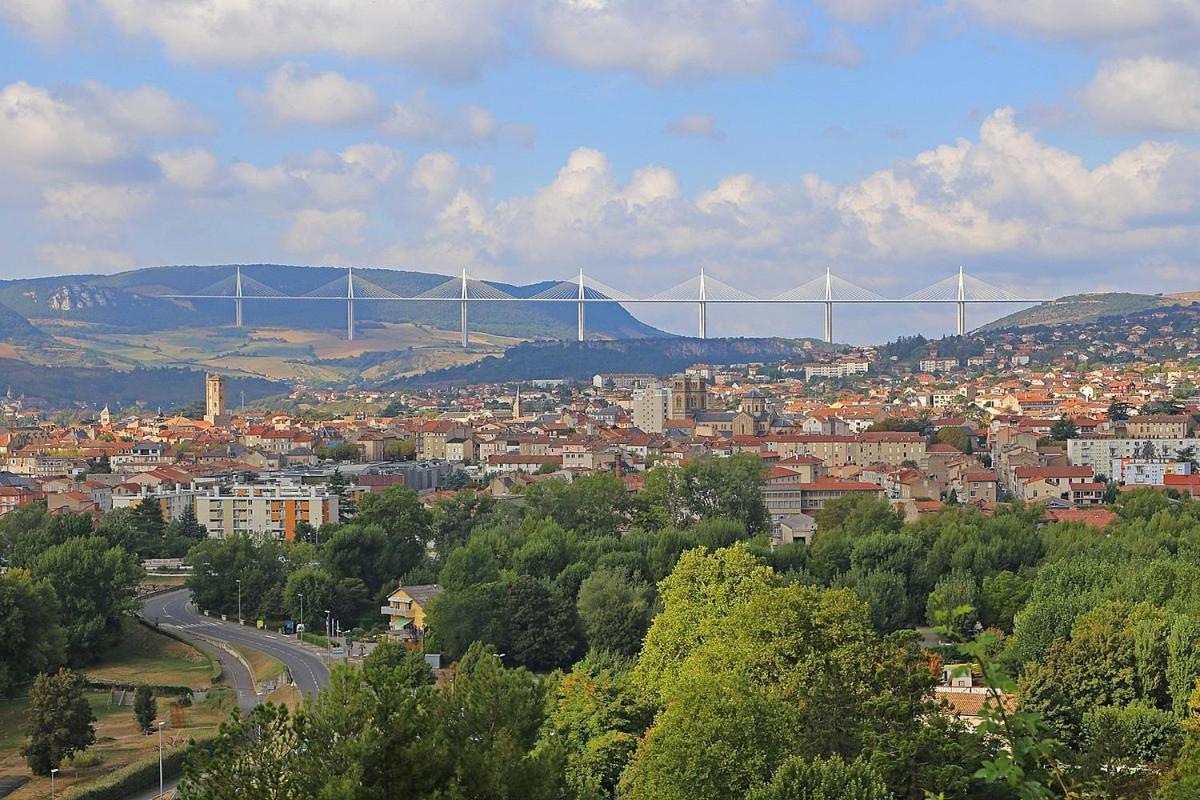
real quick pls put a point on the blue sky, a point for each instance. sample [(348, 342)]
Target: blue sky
[(1047, 146)]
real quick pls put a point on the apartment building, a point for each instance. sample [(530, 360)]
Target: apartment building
[(1160, 426), (272, 511), (651, 408)]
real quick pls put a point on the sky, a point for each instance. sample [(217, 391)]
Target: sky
[(1047, 146)]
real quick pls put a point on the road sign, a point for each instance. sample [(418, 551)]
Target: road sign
[(338, 652)]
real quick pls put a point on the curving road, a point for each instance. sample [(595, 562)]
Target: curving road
[(308, 669)]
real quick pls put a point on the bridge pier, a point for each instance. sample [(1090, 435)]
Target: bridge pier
[(962, 318), (829, 321), (237, 303), (350, 304), (703, 319)]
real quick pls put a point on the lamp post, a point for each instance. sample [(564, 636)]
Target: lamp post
[(301, 596), (53, 774), (239, 583), (327, 622), (160, 759)]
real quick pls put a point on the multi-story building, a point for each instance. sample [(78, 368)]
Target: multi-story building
[(1160, 426), (1146, 473), (272, 511), (1098, 452), (651, 408), (938, 364)]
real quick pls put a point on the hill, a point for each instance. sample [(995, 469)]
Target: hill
[(15, 329), (1082, 308), (582, 360), (58, 387), (131, 302)]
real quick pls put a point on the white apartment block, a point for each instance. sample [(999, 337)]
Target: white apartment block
[(1099, 452), (272, 511), (651, 408)]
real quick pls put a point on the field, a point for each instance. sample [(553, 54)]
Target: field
[(147, 657), (262, 666), (144, 657)]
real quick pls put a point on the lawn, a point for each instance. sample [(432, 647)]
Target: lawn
[(148, 657), (262, 666), (118, 740)]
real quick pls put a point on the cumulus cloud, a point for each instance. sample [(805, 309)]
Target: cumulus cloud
[(698, 125), (85, 126), (1147, 93), (450, 38), (672, 39), (314, 229), (864, 10), (1005, 193), (295, 93), (194, 169), (323, 179)]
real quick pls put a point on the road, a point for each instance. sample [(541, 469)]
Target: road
[(309, 672)]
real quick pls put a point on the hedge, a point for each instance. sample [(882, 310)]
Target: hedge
[(136, 777), (158, 689)]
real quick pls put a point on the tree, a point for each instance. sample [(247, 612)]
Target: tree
[(96, 587), (316, 586), (1063, 429), (682, 495), (148, 519), (400, 450), (31, 638), (595, 505), (260, 563), (953, 602), (342, 451), (187, 527), (397, 662), (1119, 410), (822, 779), (371, 554), (145, 708), (1003, 595), (60, 720), (955, 436), (615, 611), (470, 565), (339, 488), (596, 719), (542, 626)]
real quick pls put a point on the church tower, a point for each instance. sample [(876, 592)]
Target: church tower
[(214, 400), (516, 409)]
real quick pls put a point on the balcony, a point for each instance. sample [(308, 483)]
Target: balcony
[(388, 611)]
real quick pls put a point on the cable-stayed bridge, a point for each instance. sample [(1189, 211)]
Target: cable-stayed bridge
[(828, 290)]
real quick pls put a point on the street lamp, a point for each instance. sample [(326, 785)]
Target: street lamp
[(301, 596), (239, 583), (53, 773), (160, 760), (327, 621)]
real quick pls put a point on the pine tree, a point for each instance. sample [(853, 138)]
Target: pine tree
[(339, 487), (145, 708), (148, 519)]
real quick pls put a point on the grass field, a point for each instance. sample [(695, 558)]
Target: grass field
[(147, 657), (262, 666), (118, 740)]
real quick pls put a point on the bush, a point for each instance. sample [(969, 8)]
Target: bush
[(88, 758), (134, 778)]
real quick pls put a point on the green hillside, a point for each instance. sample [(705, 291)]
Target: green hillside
[(581, 360), (15, 329), (1076, 309), (128, 302)]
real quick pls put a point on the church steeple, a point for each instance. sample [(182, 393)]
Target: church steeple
[(516, 408)]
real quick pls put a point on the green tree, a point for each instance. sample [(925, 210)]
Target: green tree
[(261, 564), (953, 602), (701, 489), (147, 517), (615, 611), (596, 719), (60, 721), (1119, 410), (31, 638), (470, 565), (541, 626), (823, 779), (145, 708), (396, 662), (1063, 429), (1003, 595), (96, 587), (956, 436), (316, 587), (594, 505), (340, 488), (186, 530)]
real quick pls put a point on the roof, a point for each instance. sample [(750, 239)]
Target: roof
[(419, 593)]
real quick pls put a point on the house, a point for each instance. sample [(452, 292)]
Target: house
[(406, 610)]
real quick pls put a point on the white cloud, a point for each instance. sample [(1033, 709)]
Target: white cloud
[(701, 125), (84, 126), (1134, 25), (1145, 94), (314, 229), (449, 38), (94, 207), (671, 39), (295, 93), (43, 19), (322, 178), (194, 169), (436, 173), (76, 257), (420, 119)]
